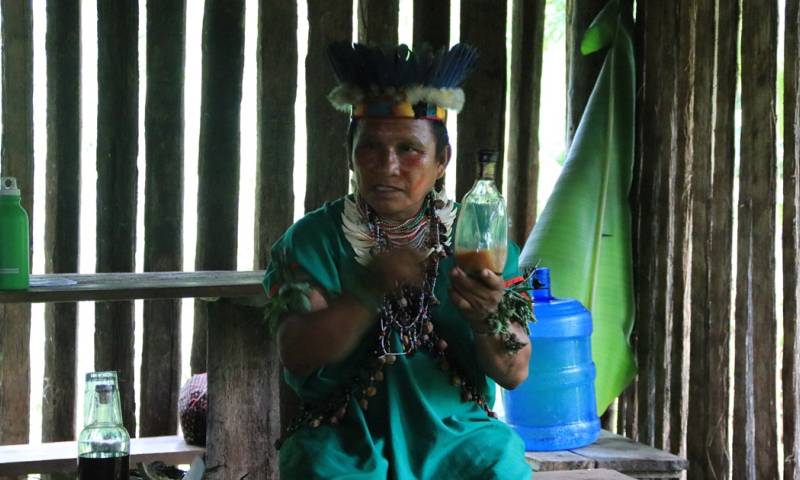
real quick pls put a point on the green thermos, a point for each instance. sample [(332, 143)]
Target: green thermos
[(14, 243)]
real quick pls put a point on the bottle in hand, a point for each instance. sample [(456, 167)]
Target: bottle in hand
[(104, 443)]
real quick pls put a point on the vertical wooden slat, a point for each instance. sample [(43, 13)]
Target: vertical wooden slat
[(755, 426), (17, 161), (523, 139), (218, 165), (582, 70), (431, 23), (163, 213), (481, 123), (791, 242), (277, 91), (707, 429), (243, 415), (377, 21), (117, 150), (63, 214), (327, 173), (656, 144)]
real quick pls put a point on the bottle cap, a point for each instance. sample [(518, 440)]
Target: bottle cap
[(487, 156), (8, 186)]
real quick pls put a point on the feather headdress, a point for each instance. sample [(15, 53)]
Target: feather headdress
[(394, 81)]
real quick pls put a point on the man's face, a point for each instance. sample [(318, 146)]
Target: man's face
[(395, 164)]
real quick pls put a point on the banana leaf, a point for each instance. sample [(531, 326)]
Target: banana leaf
[(584, 232)]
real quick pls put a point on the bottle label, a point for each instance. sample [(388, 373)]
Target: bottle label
[(9, 271)]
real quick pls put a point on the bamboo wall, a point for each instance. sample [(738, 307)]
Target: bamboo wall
[(706, 333)]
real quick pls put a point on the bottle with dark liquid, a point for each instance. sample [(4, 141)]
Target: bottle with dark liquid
[(481, 237), (104, 444)]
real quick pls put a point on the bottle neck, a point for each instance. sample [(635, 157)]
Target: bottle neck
[(486, 171), (104, 411)]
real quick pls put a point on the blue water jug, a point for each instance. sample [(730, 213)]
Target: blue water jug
[(554, 409)]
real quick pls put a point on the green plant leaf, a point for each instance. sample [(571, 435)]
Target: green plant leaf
[(584, 232)]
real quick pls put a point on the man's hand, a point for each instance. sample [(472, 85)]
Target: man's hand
[(476, 297)]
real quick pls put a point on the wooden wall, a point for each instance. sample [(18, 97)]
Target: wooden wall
[(705, 235)]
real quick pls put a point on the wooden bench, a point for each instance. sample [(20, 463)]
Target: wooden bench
[(62, 456), (594, 474), (612, 452)]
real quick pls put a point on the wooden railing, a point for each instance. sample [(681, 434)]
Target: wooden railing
[(243, 368)]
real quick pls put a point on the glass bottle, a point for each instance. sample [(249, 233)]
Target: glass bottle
[(14, 236), (481, 238), (104, 444)]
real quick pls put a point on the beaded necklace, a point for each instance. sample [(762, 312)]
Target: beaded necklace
[(407, 311)]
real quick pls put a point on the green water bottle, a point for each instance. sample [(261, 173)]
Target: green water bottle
[(14, 240)]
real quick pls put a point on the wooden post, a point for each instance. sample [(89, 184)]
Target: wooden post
[(582, 70), (218, 183), (62, 217), (755, 452), (244, 412), (431, 23), (707, 426), (163, 213), (791, 243), (277, 91), (523, 138), (654, 156), (481, 123), (17, 161), (377, 21), (327, 173)]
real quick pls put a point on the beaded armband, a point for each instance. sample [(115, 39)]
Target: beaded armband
[(516, 307), (290, 293)]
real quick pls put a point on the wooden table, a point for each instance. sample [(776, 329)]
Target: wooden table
[(612, 452)]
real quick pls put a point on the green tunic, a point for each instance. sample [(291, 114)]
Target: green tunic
[(416, 426)]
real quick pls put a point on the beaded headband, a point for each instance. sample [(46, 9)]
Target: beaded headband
[(394, 82)]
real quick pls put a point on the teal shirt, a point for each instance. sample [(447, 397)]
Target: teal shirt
[(416, 426)]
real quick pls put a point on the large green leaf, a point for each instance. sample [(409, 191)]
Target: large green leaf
[(584, 232)]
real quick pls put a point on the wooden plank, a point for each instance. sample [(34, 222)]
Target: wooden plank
[(481, 123), (596, 474), (327, 174), (523, 137), (117, 150), (755, 449), (707, 426), (218, 165), (130, 286), (62, 456), (582, 70), (791, 242), (62, 216), (624, 455), (16, 161), (277, 91), (431, 23), (652, 257), (163, 213), (559, 460), (377, 21), (244, 365)]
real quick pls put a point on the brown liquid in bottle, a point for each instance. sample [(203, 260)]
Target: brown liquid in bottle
[(474, 261)]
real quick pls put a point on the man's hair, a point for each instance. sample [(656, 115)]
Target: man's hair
[(439, 134)]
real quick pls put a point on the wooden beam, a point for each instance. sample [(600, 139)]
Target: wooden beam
[(755, 451), (17, 161), (481, 124), (163, 213), (277, 91), (117, 151), (523, 138), (377, 21), (327, 172), (582, 70), (791, 242), (218, 176), (431, 23), (242, 365), (62, 216), (712, 193)]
